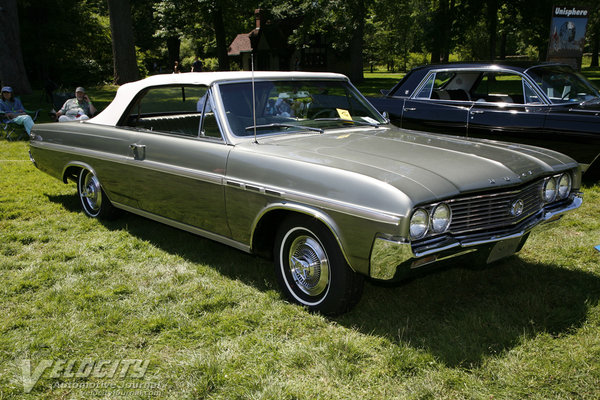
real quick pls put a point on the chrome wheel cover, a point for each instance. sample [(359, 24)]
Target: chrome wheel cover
[(308, 265), (91, 193)]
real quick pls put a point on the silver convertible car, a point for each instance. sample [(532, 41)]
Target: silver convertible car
[(301, 168)]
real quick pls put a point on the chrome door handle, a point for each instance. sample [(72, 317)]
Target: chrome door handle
[(410, 109), (477, 112), (138, 151)]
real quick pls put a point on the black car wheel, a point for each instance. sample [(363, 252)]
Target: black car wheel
[(311, 268)]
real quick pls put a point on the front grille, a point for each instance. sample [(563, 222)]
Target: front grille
[(493, 210)]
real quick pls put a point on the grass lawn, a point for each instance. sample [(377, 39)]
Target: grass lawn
[(210, 323)]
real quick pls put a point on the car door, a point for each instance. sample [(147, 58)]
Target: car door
[(181, 158), (575, 131), (507, 108), (435, 109), (106, 151)]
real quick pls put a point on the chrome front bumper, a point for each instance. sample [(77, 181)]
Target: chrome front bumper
[(390, 254)]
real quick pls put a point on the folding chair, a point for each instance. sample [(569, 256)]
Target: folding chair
[(13, 131), (58, 99)]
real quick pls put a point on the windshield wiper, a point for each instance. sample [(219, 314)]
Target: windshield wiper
[(279, 125), (374, 125)]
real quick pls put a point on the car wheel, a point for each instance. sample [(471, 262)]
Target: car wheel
[(93, 199), (311, 268)]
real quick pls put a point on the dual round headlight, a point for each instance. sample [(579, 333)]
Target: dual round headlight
[(422, 221), (556, 188), (564, 186)]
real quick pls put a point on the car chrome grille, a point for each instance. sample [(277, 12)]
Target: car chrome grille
[(494, 210)]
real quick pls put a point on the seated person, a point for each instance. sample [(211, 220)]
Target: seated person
[(78, 108), (283, 105), (13, 110)]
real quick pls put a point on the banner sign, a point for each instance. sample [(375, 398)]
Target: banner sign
[(567, 32)]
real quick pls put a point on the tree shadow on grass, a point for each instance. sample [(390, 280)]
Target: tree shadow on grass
[(235, 264), (459, 315), (68, 201)]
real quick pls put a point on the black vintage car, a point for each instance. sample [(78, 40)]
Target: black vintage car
[(547, 105)]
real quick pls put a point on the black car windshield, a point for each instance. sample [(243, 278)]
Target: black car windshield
[(562, 84), (295, 106)]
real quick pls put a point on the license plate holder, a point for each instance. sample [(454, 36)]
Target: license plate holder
[(503, 249)]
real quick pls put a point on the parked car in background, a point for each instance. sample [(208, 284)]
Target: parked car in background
[(299, 167), (547, 105)]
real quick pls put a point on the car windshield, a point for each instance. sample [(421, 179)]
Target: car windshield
[(295, 106), (563, 85)]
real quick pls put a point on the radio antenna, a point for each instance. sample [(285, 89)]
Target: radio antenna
[(253, 96)]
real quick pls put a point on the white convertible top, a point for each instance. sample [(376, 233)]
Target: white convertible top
[(126, 93)]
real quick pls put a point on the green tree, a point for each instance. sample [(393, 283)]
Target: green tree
[(66, 41), (171, 22), (202, 21), (340, 23), (390, 35)]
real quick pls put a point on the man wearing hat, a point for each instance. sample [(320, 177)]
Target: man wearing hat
[(13, 110), (76, 109)]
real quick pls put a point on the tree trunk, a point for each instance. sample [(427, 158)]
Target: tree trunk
[(222, 45), (503, 38), (595, 48), (356, 45), (446, 21), (438, 32), (173, 48), (435, 55), (492, 24), (12, 69), (124, 61)]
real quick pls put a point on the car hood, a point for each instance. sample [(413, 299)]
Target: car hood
[(426, 167)]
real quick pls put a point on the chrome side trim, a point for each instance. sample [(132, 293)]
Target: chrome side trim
[(303, 209), (150, 165), (485, 68), (252, 187), (316, 201), (76, 164), (185, 227), (80, 152), (353, 210), (181, 171)]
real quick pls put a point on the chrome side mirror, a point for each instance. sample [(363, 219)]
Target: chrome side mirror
[(386, 116)]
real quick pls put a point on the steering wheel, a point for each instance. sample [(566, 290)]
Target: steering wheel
[(568, 94), (325, 113)]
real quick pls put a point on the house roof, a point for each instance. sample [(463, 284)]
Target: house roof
[(242, 43)]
